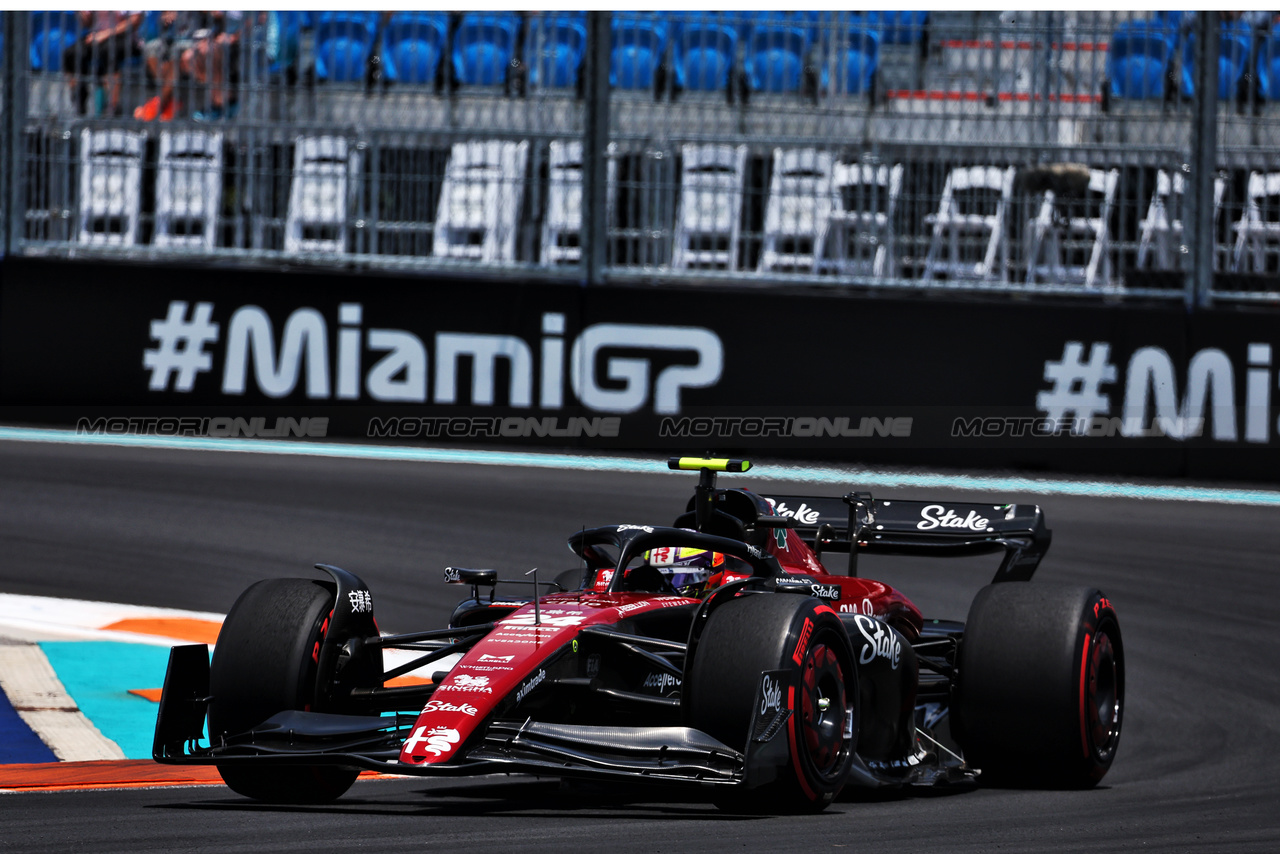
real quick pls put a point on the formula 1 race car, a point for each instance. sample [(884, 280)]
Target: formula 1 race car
[(717, 653)]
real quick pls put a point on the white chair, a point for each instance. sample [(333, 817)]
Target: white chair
[(562, 225), (188, 189), (797, 214), (110, 181), (1256, 236), (1161, 231), (864, 202), (946, 256), (324, 173), (1050, 234), (480, 200), (708, 216)]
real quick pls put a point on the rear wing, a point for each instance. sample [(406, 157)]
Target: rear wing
[(860, 524)]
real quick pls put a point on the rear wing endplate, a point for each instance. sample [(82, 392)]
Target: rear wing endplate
[(860, 524)]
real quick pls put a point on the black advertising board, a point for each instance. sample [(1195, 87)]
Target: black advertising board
[(926, 379)]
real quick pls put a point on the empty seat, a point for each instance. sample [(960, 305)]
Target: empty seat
[(51, 34), (1138, 58), (562, 225), (638, 45), (480, 201), (412, 45), (188, 189), (1235, 40), (344, 41), (1269, 66), (797, 213), (776, 52), (324, 174), (553, 47), (708, 215), (854, 59), (483, 47), (1258, 231), (898, 27), (968, 241), (1054, 233), (1161, 231), (861, 239), (705, 50), (110, 178)]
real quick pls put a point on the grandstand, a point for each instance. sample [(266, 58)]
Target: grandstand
[(971, 150)]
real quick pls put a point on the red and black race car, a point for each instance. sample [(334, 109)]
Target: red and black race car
[(717, 653)]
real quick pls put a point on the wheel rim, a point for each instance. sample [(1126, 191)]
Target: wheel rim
[(823, 707), (1102, 703)]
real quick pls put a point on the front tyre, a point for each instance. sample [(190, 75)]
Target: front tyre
[(1041, 685), (753, 634), (266, 661)]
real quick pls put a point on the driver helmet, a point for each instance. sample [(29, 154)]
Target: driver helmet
[(687, 569)]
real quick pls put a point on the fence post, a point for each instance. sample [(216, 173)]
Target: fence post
[(17, 35), (1198, 217), (595, 143)]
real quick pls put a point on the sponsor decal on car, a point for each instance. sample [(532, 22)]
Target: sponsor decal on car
[(439, 740), (804, 514), (461, 682), (593, 666), (854, 608), (770, 695), (443, 706), (662, 681), (534, 682), (495, 659), (452, 575), (936, 516), (881, 642), (822, 591), (646, 528), (361, 601)]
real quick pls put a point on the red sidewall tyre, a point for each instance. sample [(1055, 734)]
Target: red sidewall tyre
[(1039, 697), (765, 632)]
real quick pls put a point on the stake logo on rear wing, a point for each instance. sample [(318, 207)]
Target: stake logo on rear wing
[(859, 524)]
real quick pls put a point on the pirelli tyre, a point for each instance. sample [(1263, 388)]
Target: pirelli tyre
[(1040, 690), (754, 634), (266, 662)]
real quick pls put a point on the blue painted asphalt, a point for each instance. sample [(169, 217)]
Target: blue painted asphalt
[(17, 742), (850, 476), (98, 676)]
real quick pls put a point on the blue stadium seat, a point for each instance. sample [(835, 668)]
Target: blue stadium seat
[(291, 24), (898, 27), (412, 46), (704, 52), (1269, 67), (639, 42), (857, 60), (1138, 58), (553, 47), (1235, 40), (344, 41), (51, 34), (776, 53), (483, 47)]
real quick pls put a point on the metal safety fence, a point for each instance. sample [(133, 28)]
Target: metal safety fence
[(1046, 152)]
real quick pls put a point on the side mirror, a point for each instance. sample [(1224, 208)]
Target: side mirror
[(775, 522), (474, 577)]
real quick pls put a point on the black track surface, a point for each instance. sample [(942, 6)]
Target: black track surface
[(1196, 588)]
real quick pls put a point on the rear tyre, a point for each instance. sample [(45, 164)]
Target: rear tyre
[(757, 633), (1040, 694), (265, 662)]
